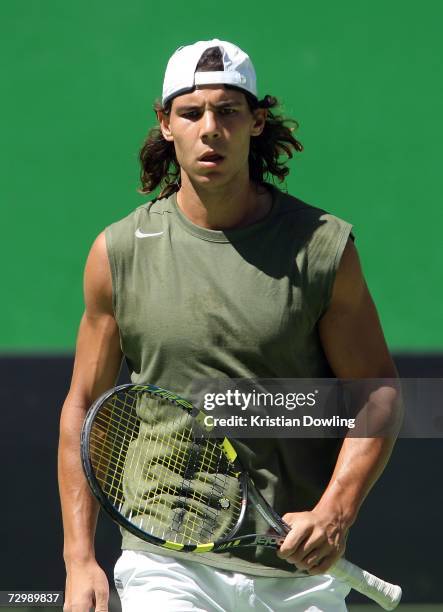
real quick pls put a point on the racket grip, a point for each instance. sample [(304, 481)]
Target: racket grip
[(385, 594)]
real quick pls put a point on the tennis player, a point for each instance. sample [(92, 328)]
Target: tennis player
[(226, 276)]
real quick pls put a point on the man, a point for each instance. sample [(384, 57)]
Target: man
[(226, 277)]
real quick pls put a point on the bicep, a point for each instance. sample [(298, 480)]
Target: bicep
[(350, 330), (98, 353)]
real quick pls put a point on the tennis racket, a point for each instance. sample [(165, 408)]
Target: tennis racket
[(150, 463)]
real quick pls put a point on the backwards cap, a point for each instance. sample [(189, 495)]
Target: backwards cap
[(180, 75)]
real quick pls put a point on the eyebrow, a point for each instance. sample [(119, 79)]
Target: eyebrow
[(222, 104)]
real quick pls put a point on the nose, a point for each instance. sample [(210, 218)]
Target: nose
[(209, 125)]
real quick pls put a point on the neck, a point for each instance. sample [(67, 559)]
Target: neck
[(235, 205)]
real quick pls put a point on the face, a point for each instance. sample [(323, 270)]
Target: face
[(211, 130)]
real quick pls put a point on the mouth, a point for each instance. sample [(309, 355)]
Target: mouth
[(211, 158)]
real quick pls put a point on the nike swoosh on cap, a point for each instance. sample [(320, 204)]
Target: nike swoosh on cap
[(140, 234)]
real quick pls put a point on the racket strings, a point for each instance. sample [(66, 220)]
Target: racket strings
[(158, 473), (181, 522), (181, 505), (120, 434), (118, 468), (219, 486), (112, 424)]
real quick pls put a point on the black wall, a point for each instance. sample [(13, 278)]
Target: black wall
[(398, 533)]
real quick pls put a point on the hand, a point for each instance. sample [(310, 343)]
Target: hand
[(86, 587), (316, 540)]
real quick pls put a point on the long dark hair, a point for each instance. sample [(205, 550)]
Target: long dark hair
[(159, 166)]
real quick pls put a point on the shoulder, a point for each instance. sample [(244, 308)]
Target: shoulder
[(148, 218), (97, 278), (351, 327), (297, 211), (148, 213), (349, 280), (316, 227), (113, 243)]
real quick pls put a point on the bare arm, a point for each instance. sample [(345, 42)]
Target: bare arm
[(96, 367), (354, 344)]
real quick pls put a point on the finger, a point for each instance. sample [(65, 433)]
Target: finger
[(315, 556), (101, 600), (326, 557), (310, 549), (291, 545), (324, 564), (296, 538), (314, 548), (306, 561)]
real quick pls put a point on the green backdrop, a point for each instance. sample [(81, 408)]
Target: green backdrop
[(364, 80)]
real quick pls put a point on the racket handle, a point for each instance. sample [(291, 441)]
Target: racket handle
[(385, 594)]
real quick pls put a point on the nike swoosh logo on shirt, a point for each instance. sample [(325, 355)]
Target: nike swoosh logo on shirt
[(140, 234)]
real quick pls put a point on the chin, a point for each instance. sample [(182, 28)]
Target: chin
[(211, 178)]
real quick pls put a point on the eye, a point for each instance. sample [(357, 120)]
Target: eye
[(191, 114), (227, 111)]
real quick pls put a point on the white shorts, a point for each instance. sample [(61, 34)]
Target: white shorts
[(155, 583)]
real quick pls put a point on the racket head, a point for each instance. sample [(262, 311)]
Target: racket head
[(149, 462)]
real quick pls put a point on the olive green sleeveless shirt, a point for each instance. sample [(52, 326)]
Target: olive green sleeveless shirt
[(192, 303)]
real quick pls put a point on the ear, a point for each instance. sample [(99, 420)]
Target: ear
[(164, 121), (258, 126)]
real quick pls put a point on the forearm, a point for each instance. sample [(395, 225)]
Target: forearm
[(361, 461), (86, 583), (79, 508)]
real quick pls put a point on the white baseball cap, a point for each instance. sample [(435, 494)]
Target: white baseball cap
[(180, 75)]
